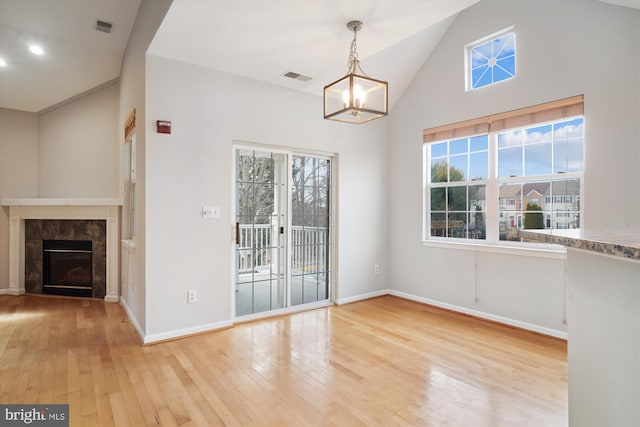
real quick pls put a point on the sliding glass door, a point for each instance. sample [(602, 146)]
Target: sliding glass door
[(310, 238), (283, 238)]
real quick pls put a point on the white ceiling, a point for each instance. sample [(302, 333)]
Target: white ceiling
[(635, 4), (256, 39), (77, 58), (262, 40)]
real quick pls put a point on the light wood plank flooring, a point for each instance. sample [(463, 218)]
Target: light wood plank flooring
[(380, 362)]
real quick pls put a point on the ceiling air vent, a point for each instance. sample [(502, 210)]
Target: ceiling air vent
[(296, 76), (104, 26)]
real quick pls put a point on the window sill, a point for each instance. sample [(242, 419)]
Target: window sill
[(538, 250)]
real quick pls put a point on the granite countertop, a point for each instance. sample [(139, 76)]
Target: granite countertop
[(616, 243)]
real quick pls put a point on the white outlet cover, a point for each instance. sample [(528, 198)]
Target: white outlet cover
[(192, 296)]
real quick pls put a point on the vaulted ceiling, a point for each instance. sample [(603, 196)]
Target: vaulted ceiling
[(76, 56), (255, 39)]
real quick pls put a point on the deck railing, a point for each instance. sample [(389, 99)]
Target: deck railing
[(256, 248)]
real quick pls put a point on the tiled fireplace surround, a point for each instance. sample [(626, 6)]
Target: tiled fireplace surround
[(32, 220), (37, 230)]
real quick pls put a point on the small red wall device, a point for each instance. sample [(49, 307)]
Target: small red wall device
[(163, 126)]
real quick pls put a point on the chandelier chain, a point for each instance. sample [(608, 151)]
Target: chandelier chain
[(354, 62)]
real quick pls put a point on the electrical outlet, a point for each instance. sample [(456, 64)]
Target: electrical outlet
[(376, 269), (192, 296)]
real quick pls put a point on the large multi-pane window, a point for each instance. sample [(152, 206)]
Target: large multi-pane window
[(496, 176)]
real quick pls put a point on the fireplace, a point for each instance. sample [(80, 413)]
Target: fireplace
[(65, 257), (31, 221), (67, 267)]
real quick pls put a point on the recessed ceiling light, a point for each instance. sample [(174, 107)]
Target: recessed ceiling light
[(36, 50), (3, 63)]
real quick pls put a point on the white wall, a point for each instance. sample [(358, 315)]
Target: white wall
[(604, 344), (192, 167), (18, 171), (564, 48), (69, 151), (132, 96), (79, 147), (19, 133)]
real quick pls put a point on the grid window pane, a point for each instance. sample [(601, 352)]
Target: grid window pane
[(477, 228), (438, 199), (458, 168), (538, 134), (510, 139), (569, 155), (439, 170), (537, 159), (457, 225), (479, 143), (458, 146), (510, 162), (439, 149), (439, 224), (478, 166), (457, 198)]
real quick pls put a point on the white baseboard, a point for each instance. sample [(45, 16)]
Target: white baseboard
[(361, 297), (132, 318), (179, 333), (15, 292), (4, 291), (495, 318), (111, 298)]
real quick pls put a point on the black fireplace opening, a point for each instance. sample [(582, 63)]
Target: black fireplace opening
[(67, 267)]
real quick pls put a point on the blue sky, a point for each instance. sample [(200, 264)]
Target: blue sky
[(493, 61), (539, 150)]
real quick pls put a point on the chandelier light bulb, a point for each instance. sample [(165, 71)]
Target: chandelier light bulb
[(359, 96)]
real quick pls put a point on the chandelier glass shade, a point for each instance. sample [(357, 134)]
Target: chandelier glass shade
[(355, 97)]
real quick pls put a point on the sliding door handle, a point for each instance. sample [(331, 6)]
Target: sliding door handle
[(238, 233)]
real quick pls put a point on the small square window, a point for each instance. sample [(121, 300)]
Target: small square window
[(491, 59)]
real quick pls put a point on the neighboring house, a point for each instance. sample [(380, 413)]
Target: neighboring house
[(559, 202)]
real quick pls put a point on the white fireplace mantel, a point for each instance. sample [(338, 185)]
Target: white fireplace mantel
[(98, 209), (62, 202)]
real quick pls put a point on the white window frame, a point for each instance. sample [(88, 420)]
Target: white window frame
[(468, 63), (492, 243)]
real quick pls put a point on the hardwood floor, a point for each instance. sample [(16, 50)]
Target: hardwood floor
[(384, 361)]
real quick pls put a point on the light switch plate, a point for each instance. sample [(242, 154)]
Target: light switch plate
[(210, 212)]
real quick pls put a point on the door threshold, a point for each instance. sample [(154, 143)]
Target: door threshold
[(281, 312)]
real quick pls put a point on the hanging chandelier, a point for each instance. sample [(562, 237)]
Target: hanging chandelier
[(356, 97)]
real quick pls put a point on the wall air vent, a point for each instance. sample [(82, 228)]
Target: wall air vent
[(104, 26), (296, 76)]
